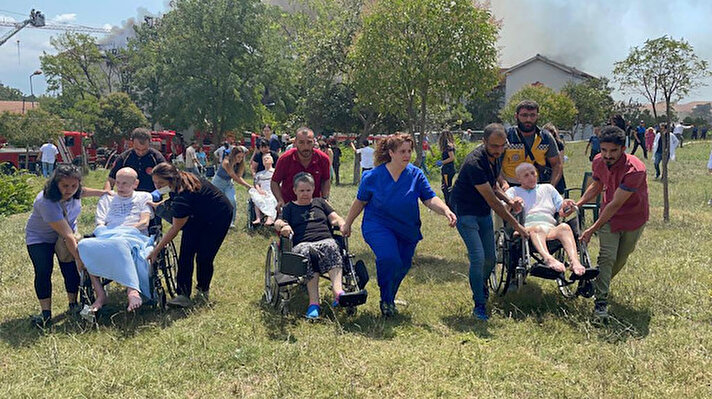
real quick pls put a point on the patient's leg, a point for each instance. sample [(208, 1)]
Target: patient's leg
[(134, 299), (564, 234), (100, 293), (313, 289), (538, 236), (258, 215), (335, 275)]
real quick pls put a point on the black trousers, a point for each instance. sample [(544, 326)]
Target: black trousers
[(336, 173), (642, 146), (198, 246), (42, 257), (446, 186)]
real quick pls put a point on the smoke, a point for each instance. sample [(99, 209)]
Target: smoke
[(120, 35), (593, 35)]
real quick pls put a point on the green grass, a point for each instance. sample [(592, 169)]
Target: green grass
[(536, 345)]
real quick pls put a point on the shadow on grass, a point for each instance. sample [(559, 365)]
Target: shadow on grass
[(437, 270), (466, 323), (19, 332)]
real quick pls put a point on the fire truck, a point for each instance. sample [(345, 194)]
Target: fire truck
[(70, 146)]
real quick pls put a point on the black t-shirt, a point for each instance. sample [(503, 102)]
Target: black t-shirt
[(258, 158), (337, 154), (448, 168), (476, 170), (309, 222), (205, 207), (142, 165)]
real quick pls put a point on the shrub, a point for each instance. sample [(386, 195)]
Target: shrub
[(16, 193)]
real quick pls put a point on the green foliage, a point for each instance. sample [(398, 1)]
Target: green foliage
[(34, 128), (8, 93), (702, 113), (554, 107), (117, 117), (485, 110), (462, 148), (75, 70), (16, 194), (592, 99)]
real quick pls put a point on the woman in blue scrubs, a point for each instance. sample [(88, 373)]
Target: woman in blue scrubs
[(389, 195)]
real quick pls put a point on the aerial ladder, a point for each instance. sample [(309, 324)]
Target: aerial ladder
[(36, 19)]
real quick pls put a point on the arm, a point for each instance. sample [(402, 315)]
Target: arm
[(335, 220), (619, 198), (557, 169), (439, 207), (488, 194), (354, 211), (143, 221), (277, 193), (515, 204), (502, 182), (253, 167), (65, 233), (109, 184), (353, 147), (177, 225), (230, 171), (325, 188), (92, 192), (283, 228), (588, 145)]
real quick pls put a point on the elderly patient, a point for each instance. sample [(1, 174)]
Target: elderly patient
[(540, 202), (308, 220), (122, 227)]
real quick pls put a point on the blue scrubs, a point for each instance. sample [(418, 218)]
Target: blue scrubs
[(391, 222)]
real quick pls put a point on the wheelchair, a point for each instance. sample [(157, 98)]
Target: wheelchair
[(251, 215), (515, 261), (162, 276), (285, 270)]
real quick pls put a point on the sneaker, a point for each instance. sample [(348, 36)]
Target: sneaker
[(74, 309), (600, 311), (400, 302), (388, 309), (41, 320), (202, 297), (336, 300), (181, 301), (480, 312), (313, 312)]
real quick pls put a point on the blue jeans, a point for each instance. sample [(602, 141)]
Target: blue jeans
[(478, 234), (394, 258), (47, 168), (228, 189)]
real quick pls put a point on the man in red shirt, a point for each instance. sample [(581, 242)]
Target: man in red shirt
[(624, 210), (302, 158)]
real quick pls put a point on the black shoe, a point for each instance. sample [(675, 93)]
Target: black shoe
[(600, 311), (41, 321), (388, 309), (74, 309)]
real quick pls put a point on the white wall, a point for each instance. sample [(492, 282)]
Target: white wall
[(537, 71)]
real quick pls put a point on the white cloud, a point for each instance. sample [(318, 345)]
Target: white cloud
[(107, 26), (65, 18), (5, 18)]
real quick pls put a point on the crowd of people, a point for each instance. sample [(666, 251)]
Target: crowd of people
[(520, 169)]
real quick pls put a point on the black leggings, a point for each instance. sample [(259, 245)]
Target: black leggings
[(42, 257), (199, 243), (336, 173), (635, 147), (447, 185)]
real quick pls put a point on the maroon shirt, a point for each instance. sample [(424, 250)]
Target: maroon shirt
[(288, 166), (628, 173)]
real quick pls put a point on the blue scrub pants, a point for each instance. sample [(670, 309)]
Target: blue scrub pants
[(478, 234), (394, 258)]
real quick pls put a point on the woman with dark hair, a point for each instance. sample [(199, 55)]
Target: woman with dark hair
[(388, 195), (231, 168), (447, 171), (203, 212), (54, 217)]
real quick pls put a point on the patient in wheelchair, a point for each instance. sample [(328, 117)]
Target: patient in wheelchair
[(307, 220), (122, 223), (540, 203), (261, 193)]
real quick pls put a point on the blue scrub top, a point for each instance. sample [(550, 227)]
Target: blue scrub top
[(394, 204)]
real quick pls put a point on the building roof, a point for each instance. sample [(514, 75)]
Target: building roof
[(17, 107), (558, 65)]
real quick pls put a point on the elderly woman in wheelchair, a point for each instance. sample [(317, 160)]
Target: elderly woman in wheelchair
[(308, 221), (540, 205)]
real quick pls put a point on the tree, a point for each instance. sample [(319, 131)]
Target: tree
[(485, 110), (32, 129), (76, 68), (117, 117), (8, 93), (702, 112), (413, 54), (667, 69), (592, 99), (554, 107)]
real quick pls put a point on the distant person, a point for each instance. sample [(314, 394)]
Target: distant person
[(326, 149), (622, 179), (191, 159), (649, 139), (202, 159), (49, 156), (263, 148), (219, 153), (336, 160), (261, 193), (658, 149), (423, 162), (446, 142), (694, 132), (274, 144), (639, 140), (366, 153), (703, 133), (141, 158), (679, 130), (594, 144), (231, 169)]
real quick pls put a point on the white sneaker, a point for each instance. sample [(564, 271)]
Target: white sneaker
[(181, 301)]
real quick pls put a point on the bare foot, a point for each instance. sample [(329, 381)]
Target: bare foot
[(98, 303), (269, 221), (256, 221), (555, 264), (578, 268), (134, 300)]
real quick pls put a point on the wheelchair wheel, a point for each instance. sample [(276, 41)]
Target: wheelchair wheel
[(497, 277), (566, 287), (250, 216), (168, 265), (271, 294), (159, 293)]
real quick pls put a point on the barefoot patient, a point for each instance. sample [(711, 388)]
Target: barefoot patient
[(121, 234), (540, 202)]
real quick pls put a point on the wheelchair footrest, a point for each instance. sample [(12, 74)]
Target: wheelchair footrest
[(350, 299), (285, 279), (589, 274), (545, 272)]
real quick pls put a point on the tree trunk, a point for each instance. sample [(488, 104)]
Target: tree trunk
[(666, 157), (419, 155)]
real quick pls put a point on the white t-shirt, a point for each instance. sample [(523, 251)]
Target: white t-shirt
[(541, 200), (190, 157), (219, 153), (115, 210), (366, 157), (263, 179), (49, 152)]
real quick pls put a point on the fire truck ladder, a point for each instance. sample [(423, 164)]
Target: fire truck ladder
[(64, 151)]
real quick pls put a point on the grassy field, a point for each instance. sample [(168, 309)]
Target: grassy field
[(537, 344)]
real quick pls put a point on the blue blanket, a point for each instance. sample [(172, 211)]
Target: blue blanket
[(119, 254)]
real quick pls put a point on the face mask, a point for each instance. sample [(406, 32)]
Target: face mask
[(164, 190)]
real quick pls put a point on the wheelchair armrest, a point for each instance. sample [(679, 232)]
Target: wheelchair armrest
[(293, 264), (567, 192)]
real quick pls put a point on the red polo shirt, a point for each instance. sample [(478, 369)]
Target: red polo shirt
[(628, 173), (288, 166)]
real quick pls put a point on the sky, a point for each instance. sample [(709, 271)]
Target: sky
[(589, 35)]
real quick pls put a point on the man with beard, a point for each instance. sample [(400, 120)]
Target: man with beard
[(622, 179), (528, 143), (303, 158), (475, 194)]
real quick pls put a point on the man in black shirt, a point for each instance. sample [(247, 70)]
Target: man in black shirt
[(475, 194), (336, 162), (256, 165), (141, 158)]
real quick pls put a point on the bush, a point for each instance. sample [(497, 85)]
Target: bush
[(16, 193), (462, 148)]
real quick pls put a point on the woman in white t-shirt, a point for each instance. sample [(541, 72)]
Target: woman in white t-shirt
[(261, 193)]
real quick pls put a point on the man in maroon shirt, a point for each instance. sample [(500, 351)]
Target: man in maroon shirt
[(624, 210), (302, 158)]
